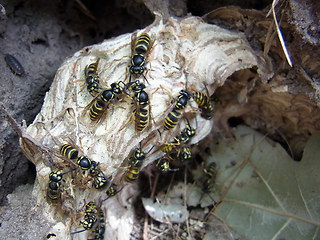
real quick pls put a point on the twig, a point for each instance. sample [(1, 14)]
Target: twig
[(284, 48), (145, 227)]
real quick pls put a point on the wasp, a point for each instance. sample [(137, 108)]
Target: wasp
[(163, 165), (90, 217), (84, 163), (141, 97), (183, 138), (132, 173), (173, 117), (99, 179), (140, 49), (205, 103), (100, 104), (135, 163), (182, 100), (171, 120), (137, 158), (183, 154), (99, 232), (177, 149), (71, 152), (211, 170), (91, 208), (141, 115), (92, 78), (55, 179), (100, 229), (208, 183), (112, 191)]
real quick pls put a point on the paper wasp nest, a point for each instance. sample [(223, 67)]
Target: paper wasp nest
[(185, 54)]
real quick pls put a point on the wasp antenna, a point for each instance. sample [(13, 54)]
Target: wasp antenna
[(174, 169), (145, 79), (188, 121), (122, 83), (106, 199), (206, 88), (69, 171), (150, 149), (78, 231)]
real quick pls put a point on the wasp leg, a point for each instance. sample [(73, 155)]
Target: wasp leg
[(123, 126)]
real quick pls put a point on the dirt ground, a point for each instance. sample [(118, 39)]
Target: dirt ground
[(42, 34)]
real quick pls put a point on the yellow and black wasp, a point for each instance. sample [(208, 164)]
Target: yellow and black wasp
[(163, 164), (135, 163), (100, 104), (138, 156), (183, 154), (205, 103), (55, 179), (211, 174), (184, 137), (100, 228), (209, 180), (171, 120), (177, 149), (176, 153), (92, 78), (139, 48), (70, 152), (90, 217), (132, 173), (112, 191), (141, 114), (99, 179), (173, 117)]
